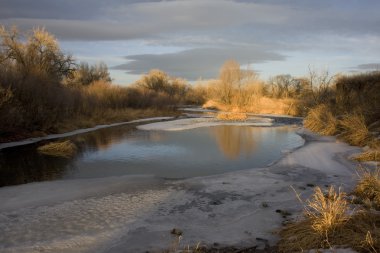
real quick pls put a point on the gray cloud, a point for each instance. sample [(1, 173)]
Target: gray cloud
[(119, 20), (251, 31), (368, 66), (197, 63)]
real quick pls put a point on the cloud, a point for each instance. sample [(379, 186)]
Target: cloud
[(368, 66), (126, 20), (197, 63)]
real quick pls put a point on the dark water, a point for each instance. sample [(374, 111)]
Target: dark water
[(125, 150)]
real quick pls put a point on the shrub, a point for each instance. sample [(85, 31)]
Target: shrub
[(321, 120)]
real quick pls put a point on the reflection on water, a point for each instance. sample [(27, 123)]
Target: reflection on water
[(235, 141), (124, 150)]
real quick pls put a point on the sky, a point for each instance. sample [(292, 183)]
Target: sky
[(192, 39)]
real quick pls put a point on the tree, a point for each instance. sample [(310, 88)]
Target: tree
[(85, 74), (283, 86), (40, 53), (156, 80), (233, 81)]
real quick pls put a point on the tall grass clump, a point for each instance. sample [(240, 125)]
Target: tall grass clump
[(354, 130), (324, 214), (369, 155), (321, 120), (59, 148), (368, 188), (232, 116), (331, 222)]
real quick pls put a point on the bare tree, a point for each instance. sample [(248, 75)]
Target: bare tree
[(39, 53), (320, 84), (233, 80)]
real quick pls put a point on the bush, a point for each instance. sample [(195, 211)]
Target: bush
[(360, 94)]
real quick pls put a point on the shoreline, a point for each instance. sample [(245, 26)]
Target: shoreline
[(237, 209), (75, 132)]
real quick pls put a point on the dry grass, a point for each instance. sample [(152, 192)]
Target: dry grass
[(368, 188), (59, 148), (232, 116), (370, 155), (328, 224), (321, 120), (327, 211), (355, 130), (324, 214)]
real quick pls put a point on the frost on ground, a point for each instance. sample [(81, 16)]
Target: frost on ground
[(136, 214)]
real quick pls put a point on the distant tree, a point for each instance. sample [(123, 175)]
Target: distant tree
[(320, 84), (284, 86), (233, 80), (156, 80), (85, 74)]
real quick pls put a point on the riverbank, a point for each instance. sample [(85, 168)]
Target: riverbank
[(240, 209), (76, 124)]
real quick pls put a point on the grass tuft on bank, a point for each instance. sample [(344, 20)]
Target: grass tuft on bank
[(59, 149), (232, 116), (321, 120), (331, 221)]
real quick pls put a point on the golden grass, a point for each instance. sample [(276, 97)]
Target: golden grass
[(330, 223), (59, 148), (321, 120), (263, 105), (361, 233), (370, 155), (327, 211), (368, 188), (232, 116), (324, 214), (355, 130)]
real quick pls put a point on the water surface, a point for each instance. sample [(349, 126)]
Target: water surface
[(124, 150)]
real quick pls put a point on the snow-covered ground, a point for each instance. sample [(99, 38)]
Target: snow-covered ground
[(191, 123), (136, 214)]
